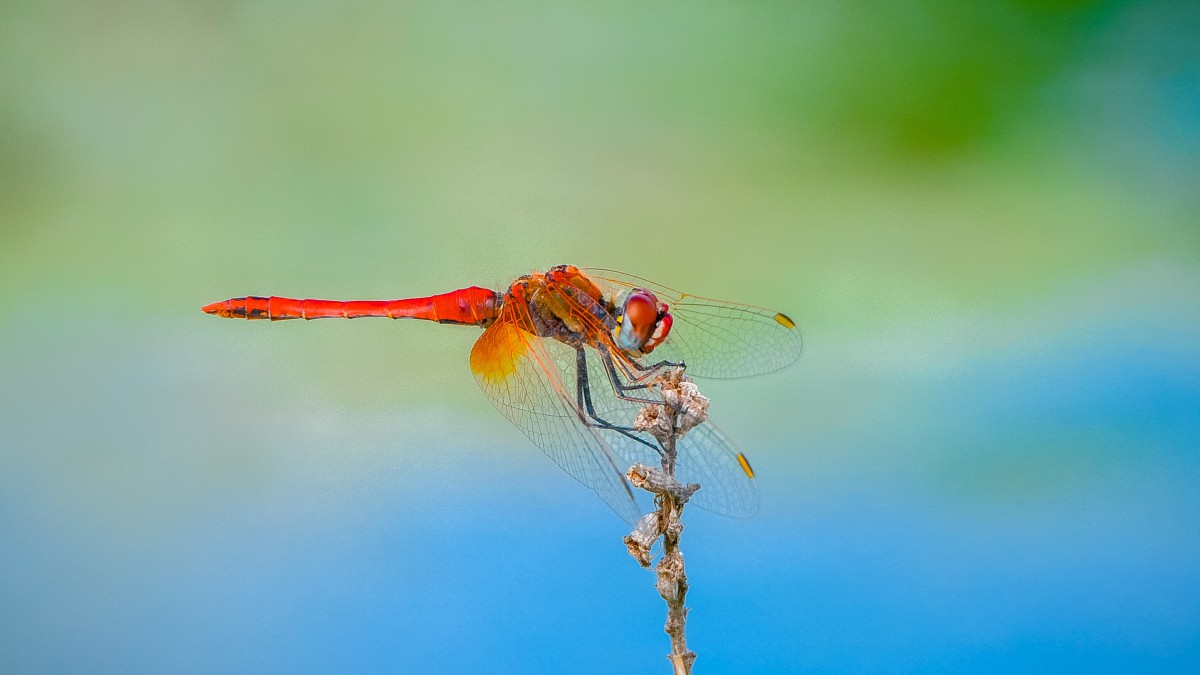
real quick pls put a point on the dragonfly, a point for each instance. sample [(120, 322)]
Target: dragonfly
[(569, 356)]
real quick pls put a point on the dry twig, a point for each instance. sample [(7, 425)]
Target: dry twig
[(683, 408)]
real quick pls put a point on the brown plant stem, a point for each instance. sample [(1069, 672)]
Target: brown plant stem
[(683, 407)]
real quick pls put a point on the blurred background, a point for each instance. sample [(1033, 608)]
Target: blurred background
[(984, 217)]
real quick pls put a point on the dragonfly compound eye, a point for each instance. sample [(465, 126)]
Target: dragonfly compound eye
[(639, 318)]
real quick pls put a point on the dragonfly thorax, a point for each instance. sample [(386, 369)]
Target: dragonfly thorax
[(550, 316)]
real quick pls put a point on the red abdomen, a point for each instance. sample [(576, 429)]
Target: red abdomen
[(472, 306)]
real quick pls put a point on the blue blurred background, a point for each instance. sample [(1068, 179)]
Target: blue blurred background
[(985, 218)]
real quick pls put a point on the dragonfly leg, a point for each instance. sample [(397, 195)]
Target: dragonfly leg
[(661, 364), (583, 396), (649, 371), (619, 387)]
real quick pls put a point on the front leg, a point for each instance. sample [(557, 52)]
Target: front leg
[(583, 398), (655, 367), (620, 388)]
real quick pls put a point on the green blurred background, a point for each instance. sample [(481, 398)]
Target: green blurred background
[(985, 218)]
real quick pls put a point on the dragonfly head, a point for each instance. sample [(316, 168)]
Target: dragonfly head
[(643, 323)]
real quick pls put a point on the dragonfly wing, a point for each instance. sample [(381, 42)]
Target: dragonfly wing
[(715, 338), (727, 485), (523, 378), (705, 455)]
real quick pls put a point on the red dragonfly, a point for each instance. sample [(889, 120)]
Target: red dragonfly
[(564, 356)]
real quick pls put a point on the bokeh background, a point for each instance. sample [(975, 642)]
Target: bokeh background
[(984, 216)]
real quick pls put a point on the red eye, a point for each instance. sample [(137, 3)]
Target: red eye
[(641, 310), (639, 316)]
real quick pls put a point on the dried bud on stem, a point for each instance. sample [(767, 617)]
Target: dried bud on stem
[(682, 409)]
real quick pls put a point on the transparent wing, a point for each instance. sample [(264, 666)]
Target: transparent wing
[(714, 338), (521, 376), (705, 454), (727, 484)]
